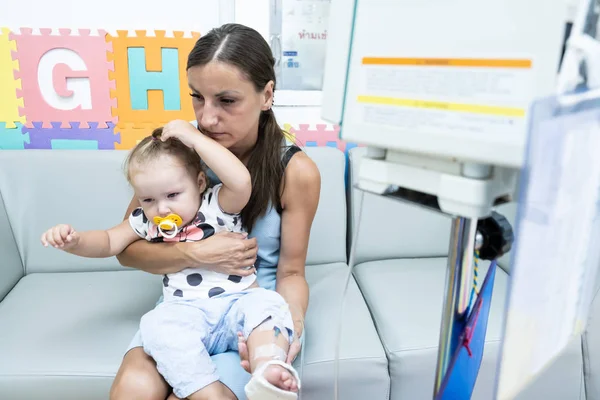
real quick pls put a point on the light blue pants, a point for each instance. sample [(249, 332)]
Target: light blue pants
[(181, 335), (231, 373)]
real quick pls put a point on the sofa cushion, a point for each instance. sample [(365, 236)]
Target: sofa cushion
[(405, 297), (363, 365), (66, 333)]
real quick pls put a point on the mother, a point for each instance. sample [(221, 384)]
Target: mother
[(231, 78)]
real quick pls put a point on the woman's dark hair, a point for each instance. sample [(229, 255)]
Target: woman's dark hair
[(245, 48)]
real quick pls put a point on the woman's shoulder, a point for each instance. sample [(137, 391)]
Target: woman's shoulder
[(301, 175)]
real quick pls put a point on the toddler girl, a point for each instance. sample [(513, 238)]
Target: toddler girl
[(202, 310)]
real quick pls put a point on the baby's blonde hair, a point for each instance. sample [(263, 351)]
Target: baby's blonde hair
[(151, 147)]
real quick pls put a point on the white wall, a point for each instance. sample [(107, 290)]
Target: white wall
[(181, 15), (110, 15)]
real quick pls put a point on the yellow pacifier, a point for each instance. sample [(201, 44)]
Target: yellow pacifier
[(168, 225)]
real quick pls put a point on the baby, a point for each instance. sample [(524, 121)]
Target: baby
[(203, 310)]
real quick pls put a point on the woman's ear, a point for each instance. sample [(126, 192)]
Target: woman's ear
[(202, 181), (268, 96)]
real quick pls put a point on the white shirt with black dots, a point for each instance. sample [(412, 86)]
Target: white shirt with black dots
[(196, 283)]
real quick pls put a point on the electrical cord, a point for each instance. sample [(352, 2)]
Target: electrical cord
[(475, 289), (302, 348)]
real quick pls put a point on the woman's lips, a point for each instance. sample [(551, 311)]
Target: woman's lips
[(213, 134)]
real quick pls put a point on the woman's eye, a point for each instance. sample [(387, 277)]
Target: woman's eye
[(172, 195), (196, 96), (228, 101)]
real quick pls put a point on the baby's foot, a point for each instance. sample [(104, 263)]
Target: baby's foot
[(280, 377)]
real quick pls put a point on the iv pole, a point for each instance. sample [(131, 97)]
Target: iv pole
[(457, 292)]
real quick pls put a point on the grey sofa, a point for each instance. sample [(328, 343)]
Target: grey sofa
[(66, 321)]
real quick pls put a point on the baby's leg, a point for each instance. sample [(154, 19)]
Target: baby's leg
[(268, 327), (174, 335)]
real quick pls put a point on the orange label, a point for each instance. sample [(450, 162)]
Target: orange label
[(449, 62)]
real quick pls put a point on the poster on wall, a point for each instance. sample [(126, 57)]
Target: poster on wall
[(301, 29)]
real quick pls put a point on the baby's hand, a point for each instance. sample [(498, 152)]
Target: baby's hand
[(182, 130), (61, 236)]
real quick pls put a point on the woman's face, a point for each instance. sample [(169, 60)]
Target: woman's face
[(226, 104)]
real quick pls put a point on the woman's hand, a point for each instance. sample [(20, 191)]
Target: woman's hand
[(226, 252)]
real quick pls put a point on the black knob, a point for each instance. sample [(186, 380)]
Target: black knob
[(497, 235)]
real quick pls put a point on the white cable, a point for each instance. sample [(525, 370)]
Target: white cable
[(336, 360), (302, 349)]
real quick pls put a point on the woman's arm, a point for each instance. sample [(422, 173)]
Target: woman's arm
[(299, 202), (227, 252)]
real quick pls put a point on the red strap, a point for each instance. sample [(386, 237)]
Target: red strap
[(470, 329)]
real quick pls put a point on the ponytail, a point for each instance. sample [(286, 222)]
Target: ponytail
[(266, 169)]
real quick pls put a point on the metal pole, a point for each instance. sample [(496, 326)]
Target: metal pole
[(458, 288)]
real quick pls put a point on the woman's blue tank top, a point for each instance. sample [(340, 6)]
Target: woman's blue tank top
[(267, 231)]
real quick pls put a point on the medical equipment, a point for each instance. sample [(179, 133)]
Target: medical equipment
[(439, 92)]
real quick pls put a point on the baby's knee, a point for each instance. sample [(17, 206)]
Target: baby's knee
[(154, 329)]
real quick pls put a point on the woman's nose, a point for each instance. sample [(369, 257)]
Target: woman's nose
[(209, 116)]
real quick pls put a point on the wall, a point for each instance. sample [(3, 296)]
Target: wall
[(62, 89), (34, 100)]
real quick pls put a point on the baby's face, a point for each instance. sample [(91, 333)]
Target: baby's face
[(164, 186)]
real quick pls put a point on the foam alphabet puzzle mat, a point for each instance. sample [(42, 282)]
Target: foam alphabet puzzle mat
[(87, 89)]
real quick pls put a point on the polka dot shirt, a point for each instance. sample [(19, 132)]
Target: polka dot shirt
[(194, 283)]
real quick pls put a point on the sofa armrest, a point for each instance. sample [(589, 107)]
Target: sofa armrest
[(11, 265)]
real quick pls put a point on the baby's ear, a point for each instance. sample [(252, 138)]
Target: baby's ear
[(202, 181)]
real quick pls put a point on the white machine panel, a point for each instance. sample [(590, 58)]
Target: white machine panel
[(449, 79)]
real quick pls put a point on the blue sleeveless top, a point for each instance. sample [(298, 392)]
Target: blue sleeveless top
[(267, 231)]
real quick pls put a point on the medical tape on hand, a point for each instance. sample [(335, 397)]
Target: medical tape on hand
[(268, 325), (271, 351), (276, 328)]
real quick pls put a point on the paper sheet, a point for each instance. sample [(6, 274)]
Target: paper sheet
[(556, 249)]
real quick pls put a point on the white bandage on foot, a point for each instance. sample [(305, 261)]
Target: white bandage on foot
[(271, 351), (258, 388)]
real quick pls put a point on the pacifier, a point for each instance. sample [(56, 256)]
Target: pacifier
[(168, 225)]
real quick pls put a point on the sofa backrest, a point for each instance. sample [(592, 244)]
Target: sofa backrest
[(11, 266), (88, 189), (42, 188), (390, 228), (328, 234)]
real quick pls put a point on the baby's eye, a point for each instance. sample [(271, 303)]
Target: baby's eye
[(172, 195), (146, 200)]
